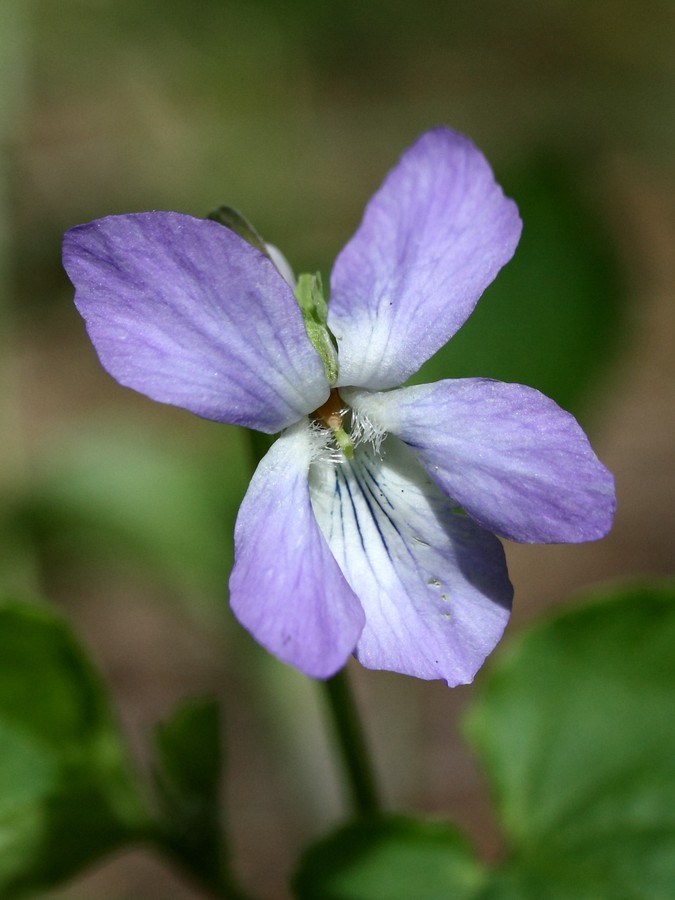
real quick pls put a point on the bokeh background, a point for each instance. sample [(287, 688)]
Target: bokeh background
[(121, 512)]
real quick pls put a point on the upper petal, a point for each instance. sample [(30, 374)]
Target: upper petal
[(185, 311), (516, 462), (432, 239), (433, 584), (286, 588)]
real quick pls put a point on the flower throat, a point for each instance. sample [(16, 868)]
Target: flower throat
[(331, 415)]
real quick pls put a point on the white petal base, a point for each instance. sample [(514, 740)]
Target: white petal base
[(432, 583)]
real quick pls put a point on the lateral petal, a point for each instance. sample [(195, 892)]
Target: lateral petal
[(188, 313), (511, 457), (286, 588), (433, 584), (431, 240)]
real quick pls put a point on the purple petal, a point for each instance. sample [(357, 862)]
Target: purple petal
[(432, 239), (286, 587), (516, 462), (188, 313), (433, 585)]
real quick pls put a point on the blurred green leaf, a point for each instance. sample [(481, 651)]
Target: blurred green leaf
[(575, 727), (139, 496), (188, 751), (392, 858), (551, 318), (188, 769), (187, 776), (66, 792)]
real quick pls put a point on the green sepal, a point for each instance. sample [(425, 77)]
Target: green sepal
[(309, 294), (234, 220)]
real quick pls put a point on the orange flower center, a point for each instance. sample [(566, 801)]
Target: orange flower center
[(331, 413)]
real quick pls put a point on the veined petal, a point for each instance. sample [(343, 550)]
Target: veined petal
[(188, 313), (433, 584), (513, 459), (432, 239), (286, 588)]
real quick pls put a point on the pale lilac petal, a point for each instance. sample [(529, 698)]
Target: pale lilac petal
[(432, 239), (516, 462), (282, 264), (433, 585), (185, 311), (286, 587)]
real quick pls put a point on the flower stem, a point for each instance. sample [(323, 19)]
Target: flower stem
[(352, 745)]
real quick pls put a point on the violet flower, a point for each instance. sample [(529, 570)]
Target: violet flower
[(369, 526)]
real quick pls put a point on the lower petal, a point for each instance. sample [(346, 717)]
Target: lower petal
[(286, 587), (433, 584), (513, 459)]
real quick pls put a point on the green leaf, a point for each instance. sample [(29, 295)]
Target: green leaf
[(187, 776), (575, 728), (189, 756), (188, 770), (551, 318), (392, 858), (66, 793)]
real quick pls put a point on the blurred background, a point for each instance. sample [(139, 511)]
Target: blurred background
[(120, 511)]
